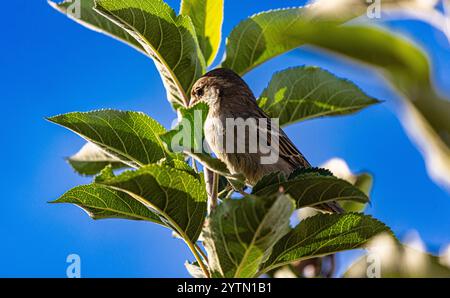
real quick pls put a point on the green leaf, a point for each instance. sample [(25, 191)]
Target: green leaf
[(241, 233), (217, 166), (105, 174), (263, 36), (268, 34), (363, 182), (324, 234), (92, 20), (314, 170), (176, 196), (169, 39), (91, 160), (301, 93), (269, 180), (313, 189), (131, 137), (188, 134), (181, 165), (207, 17), (101, 202)]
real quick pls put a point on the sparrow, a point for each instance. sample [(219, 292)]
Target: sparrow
[(229, 98)]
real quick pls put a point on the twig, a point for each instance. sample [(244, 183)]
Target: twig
[(205, 257), (224, 191), (194, 251), (242, 192), (212, 185)]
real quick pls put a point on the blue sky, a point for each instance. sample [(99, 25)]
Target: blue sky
[(51, 65)]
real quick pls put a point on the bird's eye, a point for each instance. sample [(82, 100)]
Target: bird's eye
[(199, 92)]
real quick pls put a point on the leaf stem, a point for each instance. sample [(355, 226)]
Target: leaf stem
[(215, 190), (229, 194), (201, 252), (226, 190), (197, 257)]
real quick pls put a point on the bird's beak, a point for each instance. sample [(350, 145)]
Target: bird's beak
[(192, 101)]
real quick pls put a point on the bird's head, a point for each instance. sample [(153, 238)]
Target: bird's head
[(218, 84)]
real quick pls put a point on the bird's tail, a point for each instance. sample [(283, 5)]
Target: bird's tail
[(332, 207)]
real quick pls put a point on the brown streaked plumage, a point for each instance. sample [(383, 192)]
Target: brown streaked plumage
[(228, 96)]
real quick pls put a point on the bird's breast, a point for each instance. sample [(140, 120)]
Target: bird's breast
[(215, 134)]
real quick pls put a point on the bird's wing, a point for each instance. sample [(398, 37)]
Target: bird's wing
[(294, 157), (288, 151)]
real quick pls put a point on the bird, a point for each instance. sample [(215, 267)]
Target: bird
[(230, 98)]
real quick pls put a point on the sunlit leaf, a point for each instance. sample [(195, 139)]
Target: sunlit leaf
[(363, 182), (188, 134), (241, 233), (131, 137), (264, 36), (169, 39), (301, 93), (207, 17), (101, 202), (179, 164), (87, 17)]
